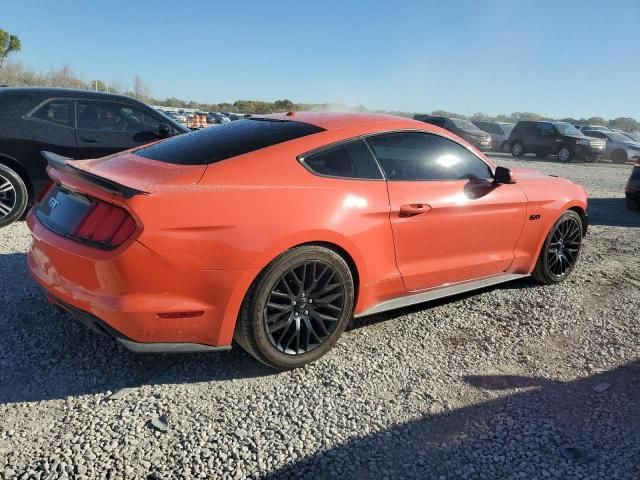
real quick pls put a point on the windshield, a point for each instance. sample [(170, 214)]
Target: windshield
[(617, 137), (507, 127), (464, 124), (635, 136), (568, 129)]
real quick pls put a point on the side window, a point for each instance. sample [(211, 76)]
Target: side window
[(114, 117), (424, 156), (545, 129), (347, 160), (56, 111)]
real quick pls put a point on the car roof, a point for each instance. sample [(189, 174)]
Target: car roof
[(338, 120), (66, 92)]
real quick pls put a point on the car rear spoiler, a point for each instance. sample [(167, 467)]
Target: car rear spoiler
[(58, 162)]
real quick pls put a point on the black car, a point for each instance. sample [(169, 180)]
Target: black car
[(463, 128), (632, 190), (554, 138), (74, 123)]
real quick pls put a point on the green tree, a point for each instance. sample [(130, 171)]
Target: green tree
[(8, 44)]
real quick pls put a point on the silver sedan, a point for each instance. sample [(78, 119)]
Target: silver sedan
[(620, 148)]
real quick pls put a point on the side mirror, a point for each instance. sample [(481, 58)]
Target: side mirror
[(502, 175), (163, 130)]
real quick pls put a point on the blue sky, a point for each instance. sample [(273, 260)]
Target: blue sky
[(559, 58)]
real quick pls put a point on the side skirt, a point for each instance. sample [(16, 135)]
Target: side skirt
[(440, 292)]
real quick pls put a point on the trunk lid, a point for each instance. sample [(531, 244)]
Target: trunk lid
[(141, 173)]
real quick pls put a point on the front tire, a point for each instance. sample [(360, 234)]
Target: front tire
[(297, 308), (517, 149), (619, 156), (561, 250), (14, 196)]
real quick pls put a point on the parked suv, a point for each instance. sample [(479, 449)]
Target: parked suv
[(74, 123), (463, 128), (554, 138), (499, 132), (620, 147)]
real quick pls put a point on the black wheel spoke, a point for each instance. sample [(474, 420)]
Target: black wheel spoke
[(304, 307), (564, 247)]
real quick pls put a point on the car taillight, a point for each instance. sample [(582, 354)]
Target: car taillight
[(105, 225)]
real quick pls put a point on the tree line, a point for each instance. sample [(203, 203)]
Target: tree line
[(17, 74)]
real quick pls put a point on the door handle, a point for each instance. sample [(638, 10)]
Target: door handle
[(414, 209), (89, 139)]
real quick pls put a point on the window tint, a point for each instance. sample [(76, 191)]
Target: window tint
[(489, 127), (347, 160), (423, 156), (114, 117), (593, 133), (544, 129), (56, 111), (224, 141)]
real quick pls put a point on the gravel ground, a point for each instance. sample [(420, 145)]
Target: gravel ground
[(518, 381)]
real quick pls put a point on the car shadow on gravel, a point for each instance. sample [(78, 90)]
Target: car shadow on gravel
[(46, 354), (528, 428), (612, 212)]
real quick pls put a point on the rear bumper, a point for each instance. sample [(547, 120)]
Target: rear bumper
[(102, 328), (131, 289)]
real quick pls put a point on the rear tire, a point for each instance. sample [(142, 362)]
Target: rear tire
[(14, 196), (297, 308), (517, 149), (565, 154), (561, 250)]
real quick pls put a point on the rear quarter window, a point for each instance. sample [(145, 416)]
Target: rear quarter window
[(220, 142), (351, 160)]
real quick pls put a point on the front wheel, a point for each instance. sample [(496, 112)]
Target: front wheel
[(561, 249), (297, 308), (14, 196)]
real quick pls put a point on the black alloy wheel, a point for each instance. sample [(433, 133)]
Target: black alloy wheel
[(14, 196), (297, 307), (304, 307), (561, 249)]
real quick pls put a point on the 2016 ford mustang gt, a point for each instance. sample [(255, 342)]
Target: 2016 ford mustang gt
[(276, 230)]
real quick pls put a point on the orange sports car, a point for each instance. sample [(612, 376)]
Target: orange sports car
[(276, 230)]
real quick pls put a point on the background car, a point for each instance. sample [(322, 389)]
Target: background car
[(275, 230), (74, 123), (593, 127), (463, 128), (554, 138), (632, 190), (620, 148), (635, 136), (499, 132)]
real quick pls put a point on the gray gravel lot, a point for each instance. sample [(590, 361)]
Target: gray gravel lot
[(518, 381)]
